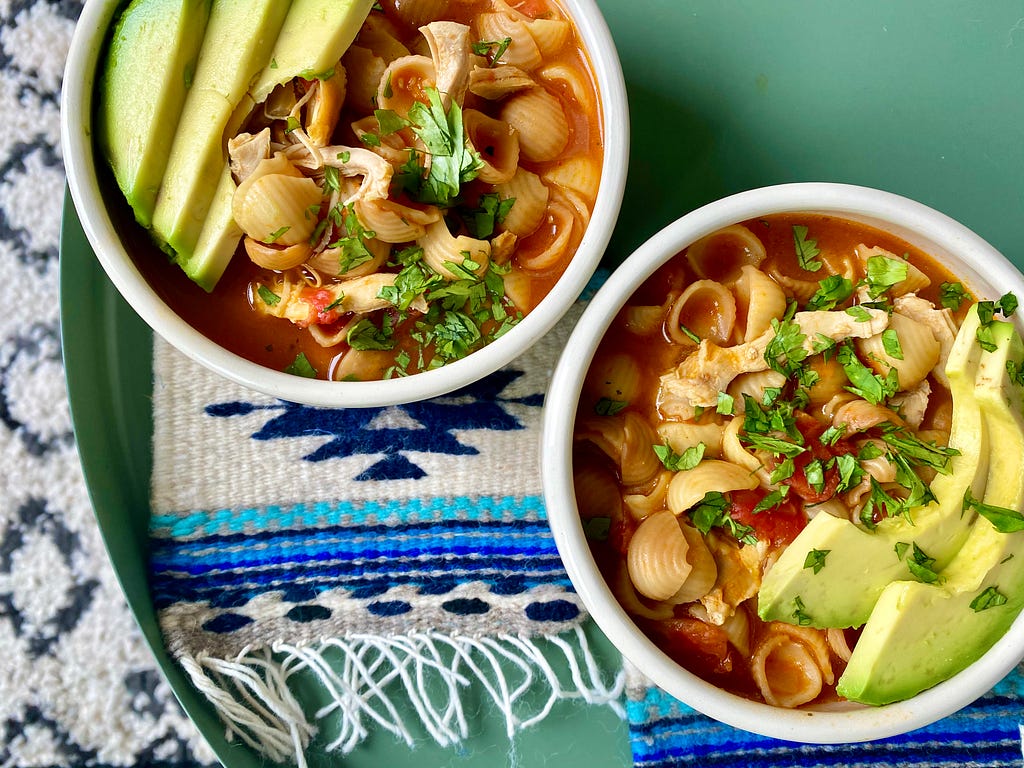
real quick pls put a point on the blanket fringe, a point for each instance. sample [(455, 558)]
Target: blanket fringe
[(366, 676)]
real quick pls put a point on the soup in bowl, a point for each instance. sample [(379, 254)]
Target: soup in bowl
[(379, 203), (777, 462)]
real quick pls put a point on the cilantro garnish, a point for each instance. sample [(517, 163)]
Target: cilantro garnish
[(921, 565), (850, 472), (783, 471), (713, 512), (390, 121), (832, 291), (484, 219), (677, 462), (366, 335), (785, 353), (1016, 372), (858, 313), (777, 446), (608, 407), (1006, 305), (689, 334), (891, 344), (273, 236), (269, 297), (726, 404), (352, 246), (815, 559), (831, 435), (814, 471), (1003, 519), (493, 50), (806, 250), (597, 528), (799, 613), (772, 500), (952, 295), (917, 451), (989, 598), (865, 382), (301, 367), (883, 273), (879, 500), (452, 161)]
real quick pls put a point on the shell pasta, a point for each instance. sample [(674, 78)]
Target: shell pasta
[(777, 370)]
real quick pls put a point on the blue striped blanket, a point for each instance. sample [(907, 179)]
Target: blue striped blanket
[(401, 555)]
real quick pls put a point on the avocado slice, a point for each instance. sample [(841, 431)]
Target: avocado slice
[(147, 71), (218, 239), (240, 36), (921, 634), (315, 35), (861, 563)]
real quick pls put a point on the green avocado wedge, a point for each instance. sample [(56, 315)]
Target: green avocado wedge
[(237, 46), (156, 44), (315, 35), (861, 563), (921, 634)]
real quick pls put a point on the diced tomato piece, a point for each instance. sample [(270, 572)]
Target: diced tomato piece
[(684, 638), (812, 430), (777, 526)]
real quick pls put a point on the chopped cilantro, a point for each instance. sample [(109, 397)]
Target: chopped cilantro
[(453, 162), (952, 295), (858, 313), (493, 50), (864, 382), (713, 512), (1016, 372), (491, 211), (1006, 305), (989, 598), (301, 367), (815, 559), (901, 548), (777, 446), (689, 334), (850, 472), (366, 335), (390, 121), (831, 435), (883, 273), (799, 612), (880, 501), (268, 296), (922, 566), (725, 404), (891, 344), (806, 250), (292, 124), (273, 236), (917, 451), (608, 407), (814, 471), (597, 528), (783, 471), (1003, 519), (832, 291), (785, 353), (677, 462), (772, 500)]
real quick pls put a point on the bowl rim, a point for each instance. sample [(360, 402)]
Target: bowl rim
[(916, 222), (80, 165)]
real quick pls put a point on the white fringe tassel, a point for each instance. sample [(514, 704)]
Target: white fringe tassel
[(365, 675)]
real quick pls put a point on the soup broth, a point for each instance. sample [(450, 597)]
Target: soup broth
[(656, 405)]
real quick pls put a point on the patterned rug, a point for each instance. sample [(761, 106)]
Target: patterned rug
[(77, 683)]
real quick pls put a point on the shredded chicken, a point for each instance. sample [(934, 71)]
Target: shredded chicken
[(493, 83), (697, 380), (245, 152), (739, 577), (451, 49), (913, 403), (305, 305), (350, 161)]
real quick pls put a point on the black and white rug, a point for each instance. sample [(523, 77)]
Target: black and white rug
[(77, 684)]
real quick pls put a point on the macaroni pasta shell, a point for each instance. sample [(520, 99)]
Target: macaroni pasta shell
[(581, 91), (497, 144), (919, 347), (278, 259), (405, 81), (690, 486), (558, 238), (626, 439), (722, 254), (786, 671), (531, 201), (615, 377), (393, 222), (538, 117), (493, 83), (441, 248), (656, 557), (706, 309), (680, 436), (522, 52), (759, 300), (580, 173), (274, 207), (640, 505)]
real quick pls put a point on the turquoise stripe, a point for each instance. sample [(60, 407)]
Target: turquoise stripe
[(302, 515)]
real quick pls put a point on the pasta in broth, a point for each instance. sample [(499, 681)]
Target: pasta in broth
[(781, 360), (417, 203)]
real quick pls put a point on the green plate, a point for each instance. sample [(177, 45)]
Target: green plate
[(924, 98)]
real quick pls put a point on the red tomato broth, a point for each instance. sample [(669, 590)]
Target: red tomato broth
[(227, 315), (700, 648)]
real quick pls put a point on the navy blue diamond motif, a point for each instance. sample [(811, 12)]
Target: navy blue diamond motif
[(351, 430)]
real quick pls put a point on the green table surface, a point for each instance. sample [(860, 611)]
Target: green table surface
[(924, 98)]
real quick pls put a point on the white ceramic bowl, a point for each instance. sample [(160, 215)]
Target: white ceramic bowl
[(983, 269), (81, 165)]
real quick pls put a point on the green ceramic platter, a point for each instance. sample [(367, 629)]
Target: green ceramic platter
[(924, 98)]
